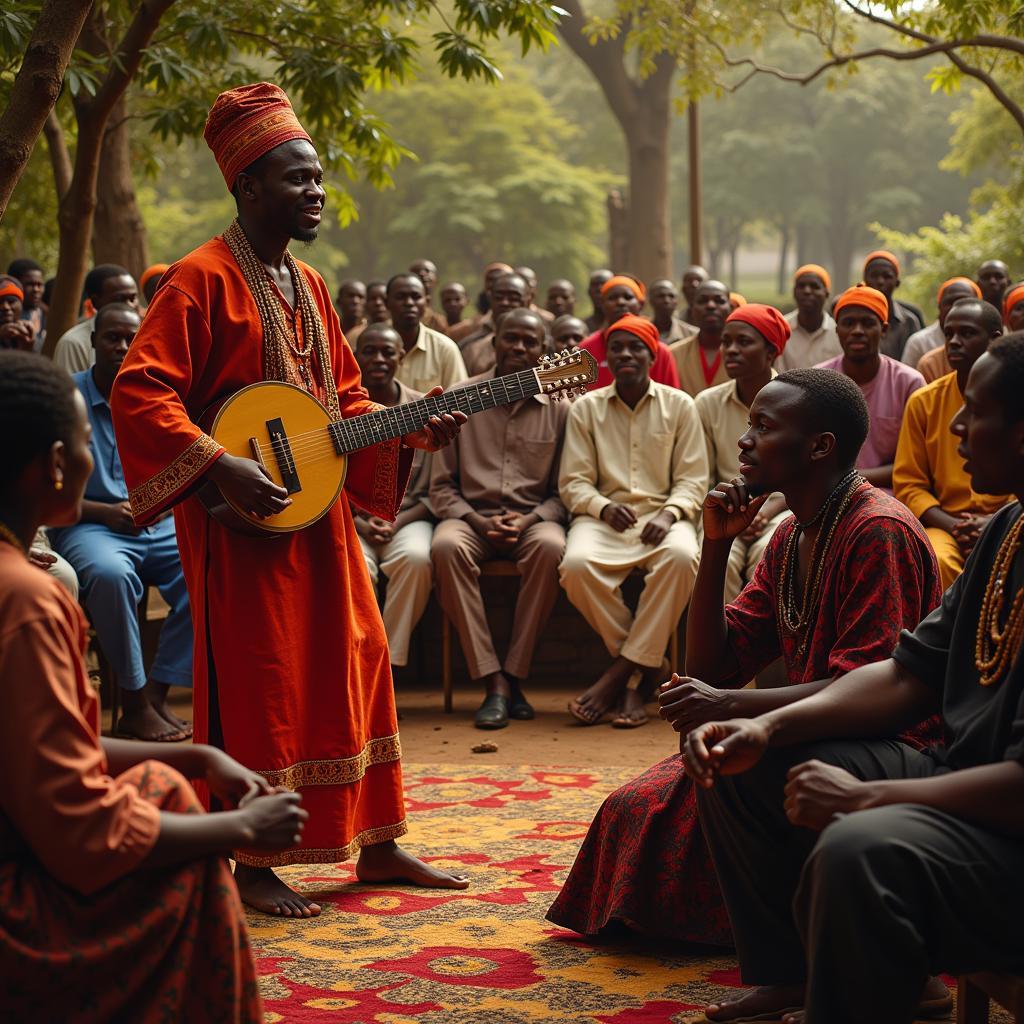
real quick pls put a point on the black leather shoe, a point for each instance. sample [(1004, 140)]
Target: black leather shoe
[(493, 713), (520, 708)]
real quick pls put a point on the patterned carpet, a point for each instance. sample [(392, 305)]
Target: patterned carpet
[(411, 956)]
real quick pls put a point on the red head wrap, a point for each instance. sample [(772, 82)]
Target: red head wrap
[(157, 270), (629, 282), (959, 280), (766, 320), (882, 254), (246, 122), (865, 297), (10, 286), (817, 271), (639, 327), (1013, 296)]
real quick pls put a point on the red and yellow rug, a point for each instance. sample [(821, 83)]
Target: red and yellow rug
[(412, 956)]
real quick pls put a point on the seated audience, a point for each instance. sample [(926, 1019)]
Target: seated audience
[(494, 490), (116, 899), (399, 551), (460, 331), (375, 309), (426, 271), (150, 280), (351, 305), (813, 338), (1013, 308), (753, 338), (693, 277), (885, 384), (29, 275), (993, 280), (561, 298), (929, 475), (698, 358), (529, 275), (887, 862), (664, 302), (567, 332), (505, 292), (622, 295), (104, 284), (430, 358), (116, 562), (632, 477), (644, 862), (453, 301), (15, 333), (597, 281), (931, 337), (882, 271)]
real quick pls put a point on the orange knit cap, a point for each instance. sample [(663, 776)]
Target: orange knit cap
[(635, 286), (766, 320), (246, 122), (959, 280), (817, 271), (1013, 296), (865, 297), (736, 300), (11, 286), (638, 326), (881, 254), (157, 270)]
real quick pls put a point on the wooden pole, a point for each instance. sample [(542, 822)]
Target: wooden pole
[(696, 218)]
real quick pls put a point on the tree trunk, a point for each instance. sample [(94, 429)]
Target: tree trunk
[(119, 233), (37, 86), (618, 226), (783, 272)]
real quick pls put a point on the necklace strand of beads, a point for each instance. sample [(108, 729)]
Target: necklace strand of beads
[(996, 646)]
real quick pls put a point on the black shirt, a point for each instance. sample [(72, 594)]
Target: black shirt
[(984, 724)]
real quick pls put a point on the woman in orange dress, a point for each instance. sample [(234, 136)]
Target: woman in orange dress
[(116, 900)]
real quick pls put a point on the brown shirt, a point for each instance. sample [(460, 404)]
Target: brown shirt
[(506, 459), (434, 320), (479, 354), (933, 365), (464, 328)]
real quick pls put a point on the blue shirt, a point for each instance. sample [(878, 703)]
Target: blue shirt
[(107, 481)]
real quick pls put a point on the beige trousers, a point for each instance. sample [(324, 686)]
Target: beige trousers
[(458, 552), (598, 559), (61, 570), (405, 561), (744, 556)]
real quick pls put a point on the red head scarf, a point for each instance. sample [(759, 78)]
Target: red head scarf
[(246, 122), (882, 254), (639, 327), (817, 271), (867, 298), (1013, 296), (10, 286), (959, 280), (157, 270), (766, 320), (629, 282)]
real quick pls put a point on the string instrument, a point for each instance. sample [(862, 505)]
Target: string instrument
[(290, 434)]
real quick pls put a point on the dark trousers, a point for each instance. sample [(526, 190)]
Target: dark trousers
[(879, 900)]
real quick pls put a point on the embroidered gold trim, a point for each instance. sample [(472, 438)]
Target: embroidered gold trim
[(339, 771), (158, 490), (313, 855), (385, 477)]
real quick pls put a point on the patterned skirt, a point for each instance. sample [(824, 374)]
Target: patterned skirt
[(167, 944), (644, 864)]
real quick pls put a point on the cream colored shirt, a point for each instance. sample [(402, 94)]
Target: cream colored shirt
[(434, 359), (646, 458), (725, 419), (687, 356), (804, 348), (74, 351)]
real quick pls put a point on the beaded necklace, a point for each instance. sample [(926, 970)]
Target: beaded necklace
[(798, 616), (996, 647), (10, 537), (278, 337)]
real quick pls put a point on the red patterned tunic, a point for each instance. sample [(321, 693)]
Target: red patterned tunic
[(644, 862)]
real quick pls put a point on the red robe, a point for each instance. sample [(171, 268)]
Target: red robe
[(291, 665)]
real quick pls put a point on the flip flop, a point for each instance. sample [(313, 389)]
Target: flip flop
[(576, 712), (492, 713)]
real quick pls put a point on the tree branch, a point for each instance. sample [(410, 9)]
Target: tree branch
[(60, 158), (1002, 97)]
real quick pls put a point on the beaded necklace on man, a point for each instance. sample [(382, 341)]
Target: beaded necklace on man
[(799, 616), (996, 645)]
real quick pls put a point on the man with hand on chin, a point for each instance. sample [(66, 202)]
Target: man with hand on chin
[(852, 865)]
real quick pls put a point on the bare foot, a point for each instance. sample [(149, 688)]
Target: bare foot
[(146, 723), (173, 720), (594, 703), (388, 862), (631, 713), (262, 890), (769, 1002)]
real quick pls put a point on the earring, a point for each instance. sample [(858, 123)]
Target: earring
[(58, 485)]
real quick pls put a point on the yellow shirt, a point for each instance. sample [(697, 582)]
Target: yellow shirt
[(927, 470), (686, 354), (434, 359), (646, 458)]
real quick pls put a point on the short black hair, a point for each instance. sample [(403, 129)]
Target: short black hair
[(406, 275), (832, 404), (518, 313), (100, 273), (991, 318), (373, 329), (114, 307), (23, 266), (37, 407), (1009, 350)]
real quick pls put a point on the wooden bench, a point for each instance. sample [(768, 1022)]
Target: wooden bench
[(975, 990), (504, 567)]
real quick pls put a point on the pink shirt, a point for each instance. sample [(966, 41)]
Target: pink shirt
[(663, 370), (886, 395)]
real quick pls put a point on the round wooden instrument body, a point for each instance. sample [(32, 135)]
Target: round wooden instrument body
[(318, 467)]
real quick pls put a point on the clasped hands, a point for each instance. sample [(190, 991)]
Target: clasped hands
[(621, 517)]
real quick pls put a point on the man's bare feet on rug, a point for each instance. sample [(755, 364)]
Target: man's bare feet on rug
[(593, 704), (769, 1003), (388, 862), (631, 713), (936, 1004), (262, 890)]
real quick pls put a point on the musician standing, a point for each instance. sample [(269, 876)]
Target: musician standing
[(290, 659)]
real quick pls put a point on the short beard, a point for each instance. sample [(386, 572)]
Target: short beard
[(305, 235)]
